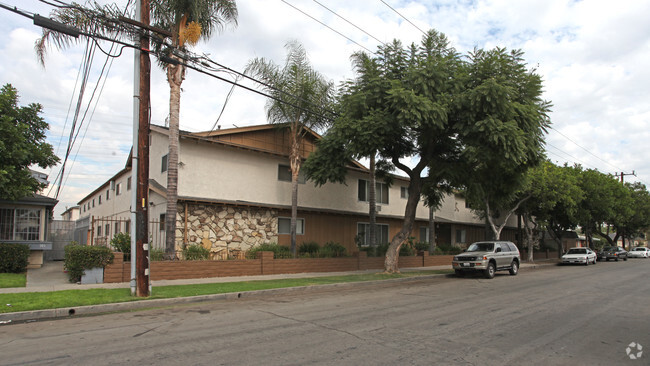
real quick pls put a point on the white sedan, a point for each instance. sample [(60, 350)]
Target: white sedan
[(639, 252), (579, 255)]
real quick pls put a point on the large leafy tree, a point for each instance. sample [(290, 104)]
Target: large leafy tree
[(301, 100), (549, 189), (188, 21), (398, 108), (504, 138), (22, 144)]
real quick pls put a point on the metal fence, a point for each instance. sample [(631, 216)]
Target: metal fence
[(103, 229), (61, 234)]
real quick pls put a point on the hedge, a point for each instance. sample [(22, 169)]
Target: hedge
[(81, 257), (13, 258)]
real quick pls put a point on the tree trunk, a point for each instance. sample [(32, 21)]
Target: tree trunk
[(372, 203), (391, 264), (175, 76), (530, 244), (295, 170), (432, 230)]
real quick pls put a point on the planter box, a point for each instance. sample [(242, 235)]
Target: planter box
[(91, 276)]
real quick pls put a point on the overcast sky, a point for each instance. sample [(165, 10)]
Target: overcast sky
[(593, 57)]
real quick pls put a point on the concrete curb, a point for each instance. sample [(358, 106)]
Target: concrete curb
[(35, 315)]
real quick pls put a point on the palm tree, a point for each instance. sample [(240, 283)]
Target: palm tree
[(188, 21), (299, 96)]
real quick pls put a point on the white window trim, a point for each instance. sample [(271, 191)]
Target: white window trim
[(297, 225)]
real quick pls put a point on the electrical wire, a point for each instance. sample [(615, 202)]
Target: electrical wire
[(232, 88), (349, 22), (330, 28), (589, 152), (405, 18)]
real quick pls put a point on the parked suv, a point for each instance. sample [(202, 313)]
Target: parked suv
[(488, 257)]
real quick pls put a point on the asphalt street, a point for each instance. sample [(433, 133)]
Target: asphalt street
[(557, 315)]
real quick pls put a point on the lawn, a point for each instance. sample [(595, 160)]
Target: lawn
[(12, 302), (12, 280)]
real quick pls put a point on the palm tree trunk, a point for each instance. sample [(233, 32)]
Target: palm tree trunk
[(295, 170), (175, 76), (372, 200)]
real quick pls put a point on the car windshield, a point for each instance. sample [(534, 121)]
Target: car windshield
[(481, 247), (577, 251), (607, 249)]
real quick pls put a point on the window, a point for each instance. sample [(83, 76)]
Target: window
[(100, 200), (162, 222), (284, 174), (127, 227), (85, 207), (117, 227), (107, 230), (99, 230), (93, 202), (128, 183), (424, 234), (404, 192), (381, 191), (108, 194), (460, 236), (163, 164), (118, 189), (363, 232), (284, 226), (20, 224)]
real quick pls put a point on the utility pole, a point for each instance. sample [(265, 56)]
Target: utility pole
[(622, 176), (140, 165)]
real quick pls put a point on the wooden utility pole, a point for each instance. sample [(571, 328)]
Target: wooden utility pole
[(140, 166)]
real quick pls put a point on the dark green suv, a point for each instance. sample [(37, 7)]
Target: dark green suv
[(488, 257)]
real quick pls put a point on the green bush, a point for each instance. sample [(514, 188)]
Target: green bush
[(279, 251), (156, 254), (78, 258), (378, 251), (121, 242), (195, 253), (311, 248), (447, 250), (332, 250), (421, 246), (13, 258)]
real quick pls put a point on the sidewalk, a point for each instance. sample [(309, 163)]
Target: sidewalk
[(51, 277)]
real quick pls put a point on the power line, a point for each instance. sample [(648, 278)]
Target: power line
[(330, 28), (349, 22), (405, 18), (589, 152)]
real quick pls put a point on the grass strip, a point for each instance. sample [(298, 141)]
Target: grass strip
[(13, 302), (8, 280)]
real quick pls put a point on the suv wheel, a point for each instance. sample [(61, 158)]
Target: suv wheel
[(514, 268), (491, 269)]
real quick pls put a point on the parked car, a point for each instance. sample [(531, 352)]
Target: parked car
[(579, 255), (488, 257), (639, 252), (614, 253)]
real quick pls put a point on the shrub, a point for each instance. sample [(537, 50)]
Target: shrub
[(14, 258), (447, 250), (156, 254), (378, 251), (195, 253), (121, 242), (78, 258), (421, 246), (333, 250), (311, 248), (279, 251)]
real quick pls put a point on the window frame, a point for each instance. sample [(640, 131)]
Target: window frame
[(284, 168), (380, 187), (21, 224), (380, 227), (300, 224)]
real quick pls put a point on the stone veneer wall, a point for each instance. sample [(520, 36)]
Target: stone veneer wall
[(225, 229)]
